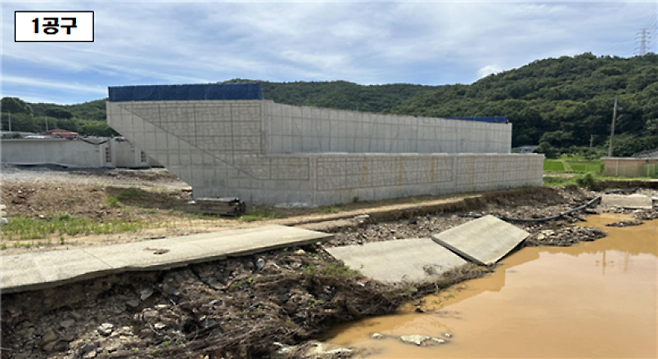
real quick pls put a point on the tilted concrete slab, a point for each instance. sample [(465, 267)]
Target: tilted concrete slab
[(483, 241), (636, 201), (49, 269), (410, 260)]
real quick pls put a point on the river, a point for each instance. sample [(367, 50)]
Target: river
[(592, 300)]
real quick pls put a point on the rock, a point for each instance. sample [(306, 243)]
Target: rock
[(447, 335), (66, 323), (438, 340), (300, 251), (86, 348), (260, 264), (50, 346), (48, 337), (377, 336), (159, 326), (414, 339), (92, 354), (134, 303), (105, 329), (145, 294)]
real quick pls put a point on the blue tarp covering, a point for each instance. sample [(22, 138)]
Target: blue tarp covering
[(249, 91), (497, 119)]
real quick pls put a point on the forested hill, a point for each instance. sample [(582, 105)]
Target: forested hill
[(558, 103)]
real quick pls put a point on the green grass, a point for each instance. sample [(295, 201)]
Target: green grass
[(553, 166), (26, 228), (585, 167), (559, 181), (112, 201), (330, 209), (128, 194), (257, 215)]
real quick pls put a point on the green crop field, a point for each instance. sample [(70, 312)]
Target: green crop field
[(553, 166)]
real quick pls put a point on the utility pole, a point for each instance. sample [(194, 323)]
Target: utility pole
[(591, 141), (45, 118), (612, 129), (9, 113)]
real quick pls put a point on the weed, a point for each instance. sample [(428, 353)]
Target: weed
[(62, 241), (132, 193), (587, 181), (112, 201), (355, 199), (3, 246), (330, 209), (339, 271), (310, 270), (26, 228), (257, 215), (73, 199)]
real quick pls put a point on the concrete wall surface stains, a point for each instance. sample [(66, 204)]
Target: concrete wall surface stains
[(268, 153), (58, 151)]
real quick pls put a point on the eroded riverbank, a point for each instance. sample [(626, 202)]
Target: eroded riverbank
[(592, 300)]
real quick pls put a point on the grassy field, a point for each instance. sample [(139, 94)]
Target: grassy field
[(573, 164)]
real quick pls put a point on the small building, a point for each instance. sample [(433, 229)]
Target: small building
[(630, 166)]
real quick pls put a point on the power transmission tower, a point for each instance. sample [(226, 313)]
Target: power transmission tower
[(643, 37)]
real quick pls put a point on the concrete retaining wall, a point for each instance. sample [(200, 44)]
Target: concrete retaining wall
[(295, 129), (630, 167), (129, 156), (58, 151), (237, 148)]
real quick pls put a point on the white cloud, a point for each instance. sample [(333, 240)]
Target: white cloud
[(489, 70), (53, 85), (142, 42)]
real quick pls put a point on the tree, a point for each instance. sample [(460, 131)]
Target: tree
[(14, 105)]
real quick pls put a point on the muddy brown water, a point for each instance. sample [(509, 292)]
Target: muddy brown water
[(593, 300)]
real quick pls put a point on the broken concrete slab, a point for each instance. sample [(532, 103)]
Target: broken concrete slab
[(483, 241), (49, 269), (410, 260), (633, 201)]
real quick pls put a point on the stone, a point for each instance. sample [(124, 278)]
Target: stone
[(145, 294), (447, 335), (66, 323), (300, 251), (159, 326), (377, 336), (105, 329), (86, 348), (50, 346), (92, 354), (48, 337), (414, 339), (133, 303)]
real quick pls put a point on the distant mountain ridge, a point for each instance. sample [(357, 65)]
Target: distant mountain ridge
[(560, 103)]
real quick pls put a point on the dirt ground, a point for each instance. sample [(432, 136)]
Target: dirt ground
[(247, 307)]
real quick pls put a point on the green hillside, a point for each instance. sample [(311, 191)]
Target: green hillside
[(561, 104)]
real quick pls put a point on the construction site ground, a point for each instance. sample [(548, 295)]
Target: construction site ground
[(229, 308)]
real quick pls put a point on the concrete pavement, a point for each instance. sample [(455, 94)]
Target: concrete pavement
[(41, 270), (483, 241), (401, 260)]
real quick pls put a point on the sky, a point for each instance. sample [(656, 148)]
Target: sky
[(366, 42)]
